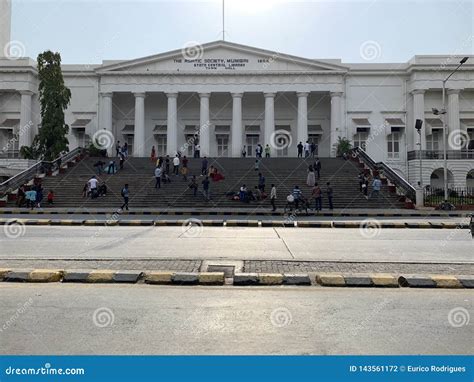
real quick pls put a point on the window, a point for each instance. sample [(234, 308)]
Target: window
[(161, 145), (433, 140), (360, 140), (222, 145), (393, 146), (252, 141)]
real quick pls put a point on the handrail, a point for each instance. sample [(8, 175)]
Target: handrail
[(40, 167), (387, 171)]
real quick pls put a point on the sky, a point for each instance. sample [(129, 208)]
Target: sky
[(89, 31)]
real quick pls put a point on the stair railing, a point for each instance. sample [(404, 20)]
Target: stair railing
[(387, 171), (39, 167)]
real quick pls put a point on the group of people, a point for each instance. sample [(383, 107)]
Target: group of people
[(364, 185), (93, 190), (309, 149), (296, 200), (32, 196)]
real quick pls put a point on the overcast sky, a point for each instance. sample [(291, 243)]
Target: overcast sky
[(88, 31)]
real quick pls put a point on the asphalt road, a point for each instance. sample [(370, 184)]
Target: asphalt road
[(144, 319), (305, 244)]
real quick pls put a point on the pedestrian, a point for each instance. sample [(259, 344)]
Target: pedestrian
[(122, 160), (197, 150), (316, 194), (176, 165), (290, 202), (261, 182), (205, 188), (39, 195), (85, 190), (329, 193), (102, 189), (273, 196), (21, 196), (158, 177), (193, 185), (167, 164), (257, 165), (313, 149), (204, 164), (99, 166), (125, 195), (244, 152), (118, 148), (310, 178), (364, 188), (300, 150), (317, 167), (267, 151), (50, 197), (111, 167), (307, 148), (153, 154), (360, 178), (259, 151), (30, 198), (92, 187), (125, 149), (376, 186), (297, 196)]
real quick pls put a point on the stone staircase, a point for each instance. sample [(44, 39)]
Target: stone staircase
[(285, 173)]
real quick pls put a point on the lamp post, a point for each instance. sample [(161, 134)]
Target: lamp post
[(443, 112), (418, 125)]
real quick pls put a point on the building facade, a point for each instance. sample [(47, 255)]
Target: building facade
[(228, 97)]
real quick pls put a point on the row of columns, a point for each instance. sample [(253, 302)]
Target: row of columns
[(236, 127), (453, 121)]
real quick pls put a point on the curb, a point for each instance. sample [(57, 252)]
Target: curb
[(376, 280), (229, 223)]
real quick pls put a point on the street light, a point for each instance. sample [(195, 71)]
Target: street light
[(418, 125), (443, 112)]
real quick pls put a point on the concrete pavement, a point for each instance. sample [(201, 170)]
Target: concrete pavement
[(239, 243), (102, 319)]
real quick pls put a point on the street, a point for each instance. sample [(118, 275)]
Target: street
[(144, 319)]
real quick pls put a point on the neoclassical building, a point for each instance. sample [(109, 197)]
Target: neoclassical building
[(228, 96)]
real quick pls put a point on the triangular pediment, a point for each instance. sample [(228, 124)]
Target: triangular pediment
[(221, 56)]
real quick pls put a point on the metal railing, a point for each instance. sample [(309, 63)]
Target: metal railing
[(40, 167), (438, 154), (384, 169), (457, 196)]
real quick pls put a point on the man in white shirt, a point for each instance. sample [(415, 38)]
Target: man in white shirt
[(176, 165), (273, 196), (158, 177), (92, 183), (307, 148)]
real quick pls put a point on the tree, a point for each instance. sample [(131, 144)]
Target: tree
[(342, 146), (54, 98)]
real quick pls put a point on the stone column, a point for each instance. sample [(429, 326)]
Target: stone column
[(336, 128), (269, 121), (172, 124), (26, 122), (419, 113), (204, 125), (453, 118), (302, 122), (236, 133), (107, 120), (139, 131)]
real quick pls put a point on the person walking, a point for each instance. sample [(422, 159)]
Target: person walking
[(176, 165), (307, 148), (125, 149), (92, 186), (261, 182), (125, 195), (360, 178), (376, 186), (310, 179), (158, 177), (297, 196), (197, 150), (317, 167), (204, 164), (118, 148), (167, 164), (330, 194), (193, 185), (313, 149), (153, 154), (205, 188), (122, 160), (300, 150), (267, 151), (273, 196), (316, 194), (31, 198)]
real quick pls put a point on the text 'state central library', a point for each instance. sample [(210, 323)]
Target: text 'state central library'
[(233, 97)]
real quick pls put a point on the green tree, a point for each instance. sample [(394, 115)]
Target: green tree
[(54, 98), (343, 145)]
